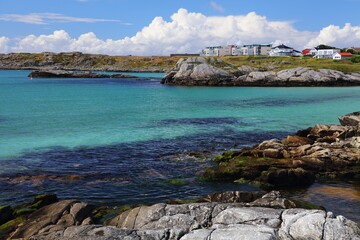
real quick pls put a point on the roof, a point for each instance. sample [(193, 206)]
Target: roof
[(306, 51), (282, 46), (345, 54)]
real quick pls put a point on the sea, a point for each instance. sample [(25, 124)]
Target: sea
[(136, 141)]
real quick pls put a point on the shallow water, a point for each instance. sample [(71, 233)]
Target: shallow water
[(117, 141)]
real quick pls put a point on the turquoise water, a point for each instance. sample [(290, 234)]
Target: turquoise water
[(123, 137), (43, 113)]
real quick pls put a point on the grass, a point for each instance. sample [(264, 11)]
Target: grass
[(165, 63), (280, 63)]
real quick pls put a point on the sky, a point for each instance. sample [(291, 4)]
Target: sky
[(161, 27)]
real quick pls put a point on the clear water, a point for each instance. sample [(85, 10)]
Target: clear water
[(117, 141)]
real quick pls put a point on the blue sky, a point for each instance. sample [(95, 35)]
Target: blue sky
[(118, 19)]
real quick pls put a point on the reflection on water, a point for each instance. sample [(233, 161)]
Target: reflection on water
[(340, 198)]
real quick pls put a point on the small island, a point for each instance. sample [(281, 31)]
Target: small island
[(74, 74)]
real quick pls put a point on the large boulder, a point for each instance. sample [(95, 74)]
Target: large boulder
[(54, 217), (351, 119), (197, 71)]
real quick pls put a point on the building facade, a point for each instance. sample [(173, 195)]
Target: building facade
[(326, 53), (283, 51)]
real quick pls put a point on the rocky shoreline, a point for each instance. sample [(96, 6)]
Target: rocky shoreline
[(229, 215), (199, 71), (320, 152)]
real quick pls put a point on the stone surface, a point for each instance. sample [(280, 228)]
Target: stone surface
[(6, 214), (352, 119), (73, 74), (56, 216), (204, 221), (323, 151), (199, 71)]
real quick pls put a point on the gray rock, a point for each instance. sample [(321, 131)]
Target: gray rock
[(261, 76), (352, 119), (302, 224), (244, 232), (251, 215), (340, 228), (53, 217)]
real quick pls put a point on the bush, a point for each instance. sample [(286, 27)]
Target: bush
[(355, 59)]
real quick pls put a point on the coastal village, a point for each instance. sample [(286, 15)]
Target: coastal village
[(321, 51)]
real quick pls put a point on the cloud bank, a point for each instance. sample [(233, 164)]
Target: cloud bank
[(188, 32)]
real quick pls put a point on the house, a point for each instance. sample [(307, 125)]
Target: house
[(255, 49), (309, 51), (342, 55), (283, 50), (227, 50), (326, 53)]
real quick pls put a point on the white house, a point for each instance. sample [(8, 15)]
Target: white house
[(227, 50), (282, 50), (326, 53), (341, 55)]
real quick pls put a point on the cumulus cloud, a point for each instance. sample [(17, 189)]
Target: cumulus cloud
[(336, 36), (4, 44), (46, 18), (187, 32)]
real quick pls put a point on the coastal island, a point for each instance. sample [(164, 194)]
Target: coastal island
[(323, 151)]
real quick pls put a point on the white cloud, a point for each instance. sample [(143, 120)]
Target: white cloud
[(189, 32), (47, 18), (336, 36), (217, 7), (4, 44)]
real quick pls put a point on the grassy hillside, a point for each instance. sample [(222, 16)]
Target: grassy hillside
[(281, 63), (76, 60)]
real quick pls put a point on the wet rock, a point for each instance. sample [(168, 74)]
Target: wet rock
[(232, 197), (73, 74), (290, 177), (6, 214), (352, 119), (323, 151), (56, 216)]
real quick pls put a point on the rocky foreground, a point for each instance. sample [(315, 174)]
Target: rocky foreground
[(319, 152), (74, 74), (199, 71), (230, 215)]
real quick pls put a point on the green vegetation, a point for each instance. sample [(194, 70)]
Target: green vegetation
[(265, 63), (177, 181), (76, 60)]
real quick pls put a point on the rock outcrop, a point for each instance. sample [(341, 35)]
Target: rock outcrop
[(74, 74), (200, 71), (209, 221), (323, 151), (197, 71)]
